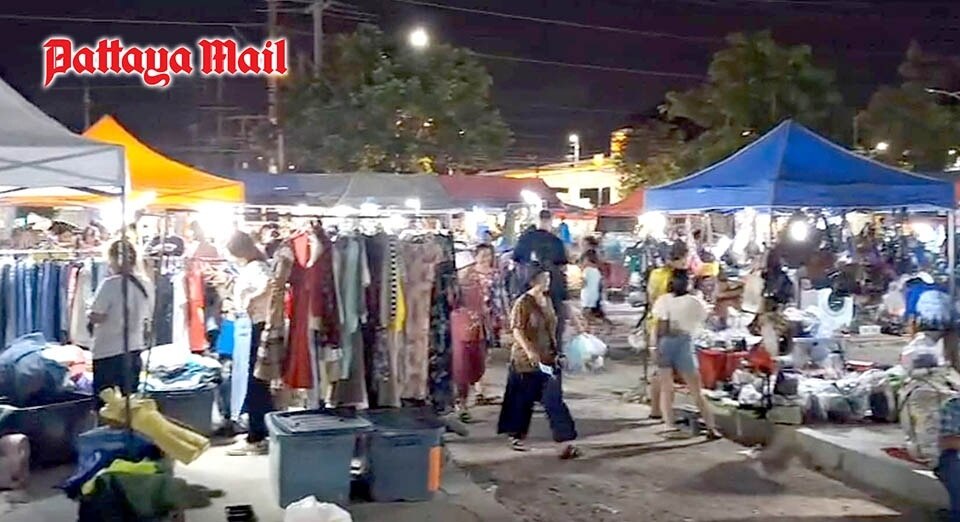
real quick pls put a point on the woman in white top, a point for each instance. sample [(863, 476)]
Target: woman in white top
[(251, 297), (106, 316), (679, 315)]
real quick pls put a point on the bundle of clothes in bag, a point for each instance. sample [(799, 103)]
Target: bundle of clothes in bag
[(33, 373)]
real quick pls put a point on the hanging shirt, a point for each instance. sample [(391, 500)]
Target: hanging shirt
[(250, 290)]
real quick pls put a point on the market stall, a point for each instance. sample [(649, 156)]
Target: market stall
[(796, 177)]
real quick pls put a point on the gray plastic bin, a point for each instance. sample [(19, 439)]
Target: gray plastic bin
[(192, 408), (51, 428), (311, 454), (404, 455)]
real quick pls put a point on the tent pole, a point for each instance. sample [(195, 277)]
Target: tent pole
[(125, 290), (951, 253)]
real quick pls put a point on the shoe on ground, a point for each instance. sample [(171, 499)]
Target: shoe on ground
[(249, 449)]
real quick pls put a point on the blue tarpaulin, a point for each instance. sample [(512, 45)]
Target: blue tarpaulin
[(793, 167)]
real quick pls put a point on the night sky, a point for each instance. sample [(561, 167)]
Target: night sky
[(863, 40)]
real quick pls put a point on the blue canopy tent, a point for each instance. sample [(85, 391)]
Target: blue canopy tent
[(793, 167)]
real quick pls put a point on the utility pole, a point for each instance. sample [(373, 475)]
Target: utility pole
[(273, 99), (87, 105), (316, 10)]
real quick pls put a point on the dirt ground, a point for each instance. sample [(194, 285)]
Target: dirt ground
[(630, 472)]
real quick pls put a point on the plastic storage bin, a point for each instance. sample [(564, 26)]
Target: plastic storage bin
[(311, 453), (52, 428), (404, 455), (192, 408)]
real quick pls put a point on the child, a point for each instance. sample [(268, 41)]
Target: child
[(591, 295)]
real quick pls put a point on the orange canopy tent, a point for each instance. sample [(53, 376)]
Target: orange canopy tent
[(173, 185), (154, 180)]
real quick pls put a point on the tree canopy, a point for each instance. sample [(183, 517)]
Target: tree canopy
[(380, 106), (918, 127), (752, 85)]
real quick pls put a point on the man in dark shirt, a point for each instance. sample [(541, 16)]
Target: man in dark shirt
[(542, 246)]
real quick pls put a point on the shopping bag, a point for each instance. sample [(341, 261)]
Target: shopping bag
[(310, 509), (240, 370)]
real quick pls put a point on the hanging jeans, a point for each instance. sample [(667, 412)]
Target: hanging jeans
[(524, 389), (948, 471), (259, 401)]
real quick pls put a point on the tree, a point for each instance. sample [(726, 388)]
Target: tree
[(379, 106), (753, 85), (917, 130), (647, 154), (918, 127)]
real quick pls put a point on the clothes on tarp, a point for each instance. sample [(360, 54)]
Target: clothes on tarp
[(99, 448), (138, 491)]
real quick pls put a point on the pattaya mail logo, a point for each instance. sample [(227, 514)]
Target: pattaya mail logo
[(156, 66)]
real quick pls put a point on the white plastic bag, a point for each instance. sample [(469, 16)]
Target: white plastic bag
[(587, 352), (310, 509)]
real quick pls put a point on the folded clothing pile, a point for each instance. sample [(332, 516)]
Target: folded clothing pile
[(174, 368)]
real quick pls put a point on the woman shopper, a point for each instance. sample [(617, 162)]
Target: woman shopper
[(476, 326), (679, 315), (251, 298), (535, 374), (106, 318)]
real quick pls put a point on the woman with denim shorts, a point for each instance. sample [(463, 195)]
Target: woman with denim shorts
[(678, 316)]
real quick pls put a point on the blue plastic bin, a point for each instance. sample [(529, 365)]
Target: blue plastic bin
[(311, 453), (191, 408), (404, 455)]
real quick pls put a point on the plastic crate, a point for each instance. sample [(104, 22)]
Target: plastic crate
[(191, 408), (311, 453), (404, 455), (52, 428)]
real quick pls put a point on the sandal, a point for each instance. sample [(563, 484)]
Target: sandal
[(714, 434), (571, 452), (517, 445), (487, 401), (465, 417)]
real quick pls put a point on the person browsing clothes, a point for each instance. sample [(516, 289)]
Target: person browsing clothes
[(106, 316)]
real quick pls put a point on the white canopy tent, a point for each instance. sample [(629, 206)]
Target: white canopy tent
[(38, 153)]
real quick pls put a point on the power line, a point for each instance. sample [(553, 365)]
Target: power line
[(131, 21), (566, 23), (592, 67)]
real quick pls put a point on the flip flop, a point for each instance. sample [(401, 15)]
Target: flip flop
[(517, 445), (487, 401), (571, 452)]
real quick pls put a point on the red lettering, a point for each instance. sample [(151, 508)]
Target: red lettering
[(249, 61), (281, 57), (108, 53), (181, 62), (56, 58), (84, 61), (156, 67), (218, 56)]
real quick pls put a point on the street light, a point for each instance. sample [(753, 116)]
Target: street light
[(574, 140), (952, 94), (882, 147), (419, 38)]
